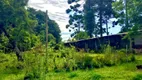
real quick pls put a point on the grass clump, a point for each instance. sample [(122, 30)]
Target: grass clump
[(72, 75), (96, 77)]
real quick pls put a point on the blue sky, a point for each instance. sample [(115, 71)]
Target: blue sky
[(57, 12)]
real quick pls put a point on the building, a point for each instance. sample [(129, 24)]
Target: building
[(117, 41)]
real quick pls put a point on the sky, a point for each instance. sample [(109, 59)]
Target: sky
[(57, 11)]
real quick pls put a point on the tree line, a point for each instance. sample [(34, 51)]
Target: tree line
[(92, 17), (22, 28)]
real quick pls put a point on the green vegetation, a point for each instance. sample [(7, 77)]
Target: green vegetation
[(138, 77), (22, 28), (66, 63), (23, 55), (81, 35)]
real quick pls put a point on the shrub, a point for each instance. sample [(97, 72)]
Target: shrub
[(84, 61), (123, 57), (98, 61), (109, 59), (138, 77), (87, 61), (9, 64), (35, 65)]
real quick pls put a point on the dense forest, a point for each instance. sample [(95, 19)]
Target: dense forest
[(31, 46)]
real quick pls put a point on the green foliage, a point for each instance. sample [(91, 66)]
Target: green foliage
[(3, 43), (34, 64), (96, 77), (68, 55), (75, 16), (39, 29), (23, 28), (51, 40), (64, 59), (27, 41), (81, 35), (16, 26), (98, 61), (130, 21), (117, 56), (84, 61), (112, 57), (72, 75), (138, 77), (87, 62), (89, 18)]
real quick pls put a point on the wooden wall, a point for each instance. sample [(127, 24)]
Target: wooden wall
[(116, 41)]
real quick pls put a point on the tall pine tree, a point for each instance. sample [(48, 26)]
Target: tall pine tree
[(75, 17), (89, 18)]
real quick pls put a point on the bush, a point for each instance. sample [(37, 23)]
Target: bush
[(123, 57), (98, 61), (87, 62), (67, 58), (84, 61), (31, 76), (109, 59), (113, 57), (9, 64), (138, 77)]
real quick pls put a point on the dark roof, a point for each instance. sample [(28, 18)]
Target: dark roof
[(119, 34)]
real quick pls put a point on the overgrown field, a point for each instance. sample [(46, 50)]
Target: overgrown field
[(67, 63)]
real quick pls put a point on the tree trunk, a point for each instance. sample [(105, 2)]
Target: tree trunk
[(18, 53), (107, 28), (100, 13), (14, 44)]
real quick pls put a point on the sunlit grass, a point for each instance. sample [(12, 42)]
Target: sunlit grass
[(120, 72)]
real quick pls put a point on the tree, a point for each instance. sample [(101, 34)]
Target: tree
[(40, 28), (54, 30), (95, 14), (89, 18), (103, 11), (14, 20), (132, 20), (81, 35), (75, 16)]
